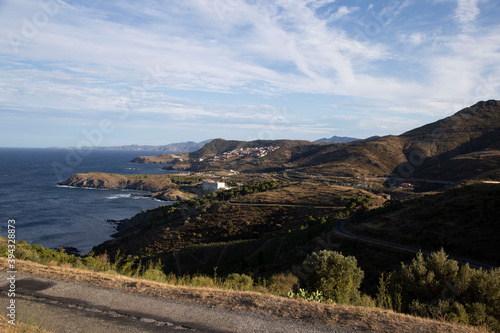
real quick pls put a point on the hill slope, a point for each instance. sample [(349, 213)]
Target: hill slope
[(464, 221), (463, 146)]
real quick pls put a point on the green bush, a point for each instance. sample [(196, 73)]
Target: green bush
[(238, 281), (438, 287), (202, 281), (426, 279), (336, 276), (316, 296), (154, 272), (26, 253)]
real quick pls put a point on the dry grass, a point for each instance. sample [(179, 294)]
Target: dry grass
[(19, 327), (370, 319)]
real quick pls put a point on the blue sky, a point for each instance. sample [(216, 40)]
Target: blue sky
[(76, 73)]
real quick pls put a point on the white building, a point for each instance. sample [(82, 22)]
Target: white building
[(212, 185)]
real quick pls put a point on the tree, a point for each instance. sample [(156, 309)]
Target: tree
[(358, 203), (431, 278), (337, 276), (438, 287)]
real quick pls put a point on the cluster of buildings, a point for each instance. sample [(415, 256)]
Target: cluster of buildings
[(255, 152)]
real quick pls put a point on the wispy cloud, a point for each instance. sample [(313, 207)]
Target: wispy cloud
[(227, 62), (467, 11)]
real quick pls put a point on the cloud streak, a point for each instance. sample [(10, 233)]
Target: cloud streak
[(224, 61)]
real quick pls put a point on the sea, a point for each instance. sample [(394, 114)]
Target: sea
[(55, 216)]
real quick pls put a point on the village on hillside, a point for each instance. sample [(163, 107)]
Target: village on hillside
[(255, 152)]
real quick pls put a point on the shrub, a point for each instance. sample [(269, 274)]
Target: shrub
[(281, 284), (239, 282), (202, 281), (316, 296), (437, 287), (426, 279), (154, 272), (26, 253), (336, 276)]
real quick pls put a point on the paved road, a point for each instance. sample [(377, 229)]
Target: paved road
[(339, 228), (70, 307)]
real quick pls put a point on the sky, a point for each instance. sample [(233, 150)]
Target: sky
[(119, 72)]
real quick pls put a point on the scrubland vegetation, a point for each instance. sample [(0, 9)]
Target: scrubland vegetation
[(435, 286)]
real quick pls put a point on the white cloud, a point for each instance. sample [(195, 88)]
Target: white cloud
[(416, 38), (211, 53), (467, 11), (342, 12)]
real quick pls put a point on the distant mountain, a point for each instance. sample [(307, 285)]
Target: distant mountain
[(337, 139), (463, 146), (193, 161), (172, 148)]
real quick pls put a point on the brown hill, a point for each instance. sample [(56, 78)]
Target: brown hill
[(463, 146)]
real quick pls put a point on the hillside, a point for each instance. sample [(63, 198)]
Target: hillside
[(466, 142), (463, 146), (194, 161), (244, 213), (463, 221)]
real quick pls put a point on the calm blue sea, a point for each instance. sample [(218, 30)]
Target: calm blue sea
[(55, 216)]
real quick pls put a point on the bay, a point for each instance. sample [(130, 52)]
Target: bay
[(55, 216)]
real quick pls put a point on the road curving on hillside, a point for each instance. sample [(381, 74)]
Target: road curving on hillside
[(340, 229)]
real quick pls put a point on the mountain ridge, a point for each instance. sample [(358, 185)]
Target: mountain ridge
[(337, 139), (177, 147), (465, 145)]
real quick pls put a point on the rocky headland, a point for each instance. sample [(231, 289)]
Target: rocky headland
[(161, 187)]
